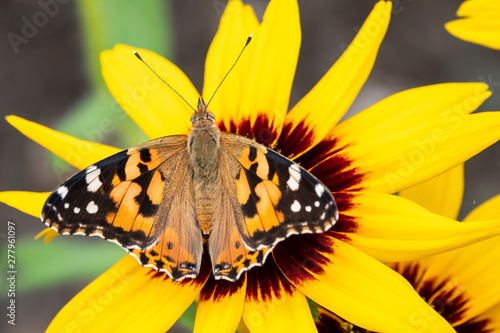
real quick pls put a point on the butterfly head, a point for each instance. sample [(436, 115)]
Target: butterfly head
[(202, 118)]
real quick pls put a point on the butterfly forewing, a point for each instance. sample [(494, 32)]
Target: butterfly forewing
[(87, 203), (117, 198)]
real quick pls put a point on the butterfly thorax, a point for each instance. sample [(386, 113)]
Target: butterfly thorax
[(203, 147)]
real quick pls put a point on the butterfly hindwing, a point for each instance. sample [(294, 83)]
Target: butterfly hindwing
[(270, 198), (229, 255), (180, 245)]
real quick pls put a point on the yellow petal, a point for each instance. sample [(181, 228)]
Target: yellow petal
[(236, 24), (365, 292), (417, 134), (27, 202), (153, 106), (478, 7), (265, 80), (479, 30), (391, 228), (77, 152), (274, 60), (481, 25), (441, 195), (48, 235), (288, 312), (220, 306), (127, 298), (314, 117)]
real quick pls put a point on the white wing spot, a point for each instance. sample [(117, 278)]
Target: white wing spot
[(322, 216), (316, 203), (320, 189), (92, 179), (91, 175), (293, 181), (90, 169), (66, 205), (76, 210), (308, 209), (94, 185), (295, 207), (62, 191), (92, 208)]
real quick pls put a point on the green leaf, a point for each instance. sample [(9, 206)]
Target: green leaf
[(314, 308), (187, 318)]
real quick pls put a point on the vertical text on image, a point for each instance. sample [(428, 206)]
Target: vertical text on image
[(11, 272)]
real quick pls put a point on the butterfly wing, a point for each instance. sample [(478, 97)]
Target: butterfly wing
[(229, 255), (131, 198), (180, 245), (269, 198)]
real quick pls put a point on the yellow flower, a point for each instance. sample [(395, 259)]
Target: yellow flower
[(462, 285), (402, 141), (480, 23)]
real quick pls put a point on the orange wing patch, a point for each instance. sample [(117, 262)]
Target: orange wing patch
[(141, 162), (254, 159), (242, 188)]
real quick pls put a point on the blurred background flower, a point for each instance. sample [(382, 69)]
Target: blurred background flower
[(50, 74), (479, 23)]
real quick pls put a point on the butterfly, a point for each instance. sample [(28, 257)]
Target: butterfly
[(165, 199)]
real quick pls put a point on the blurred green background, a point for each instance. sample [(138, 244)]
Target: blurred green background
[(53, 78)]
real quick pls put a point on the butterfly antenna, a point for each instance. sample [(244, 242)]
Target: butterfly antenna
[(175, 91), (230, 69)]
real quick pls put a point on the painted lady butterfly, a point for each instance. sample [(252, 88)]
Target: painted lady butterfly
[(164, 199)]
